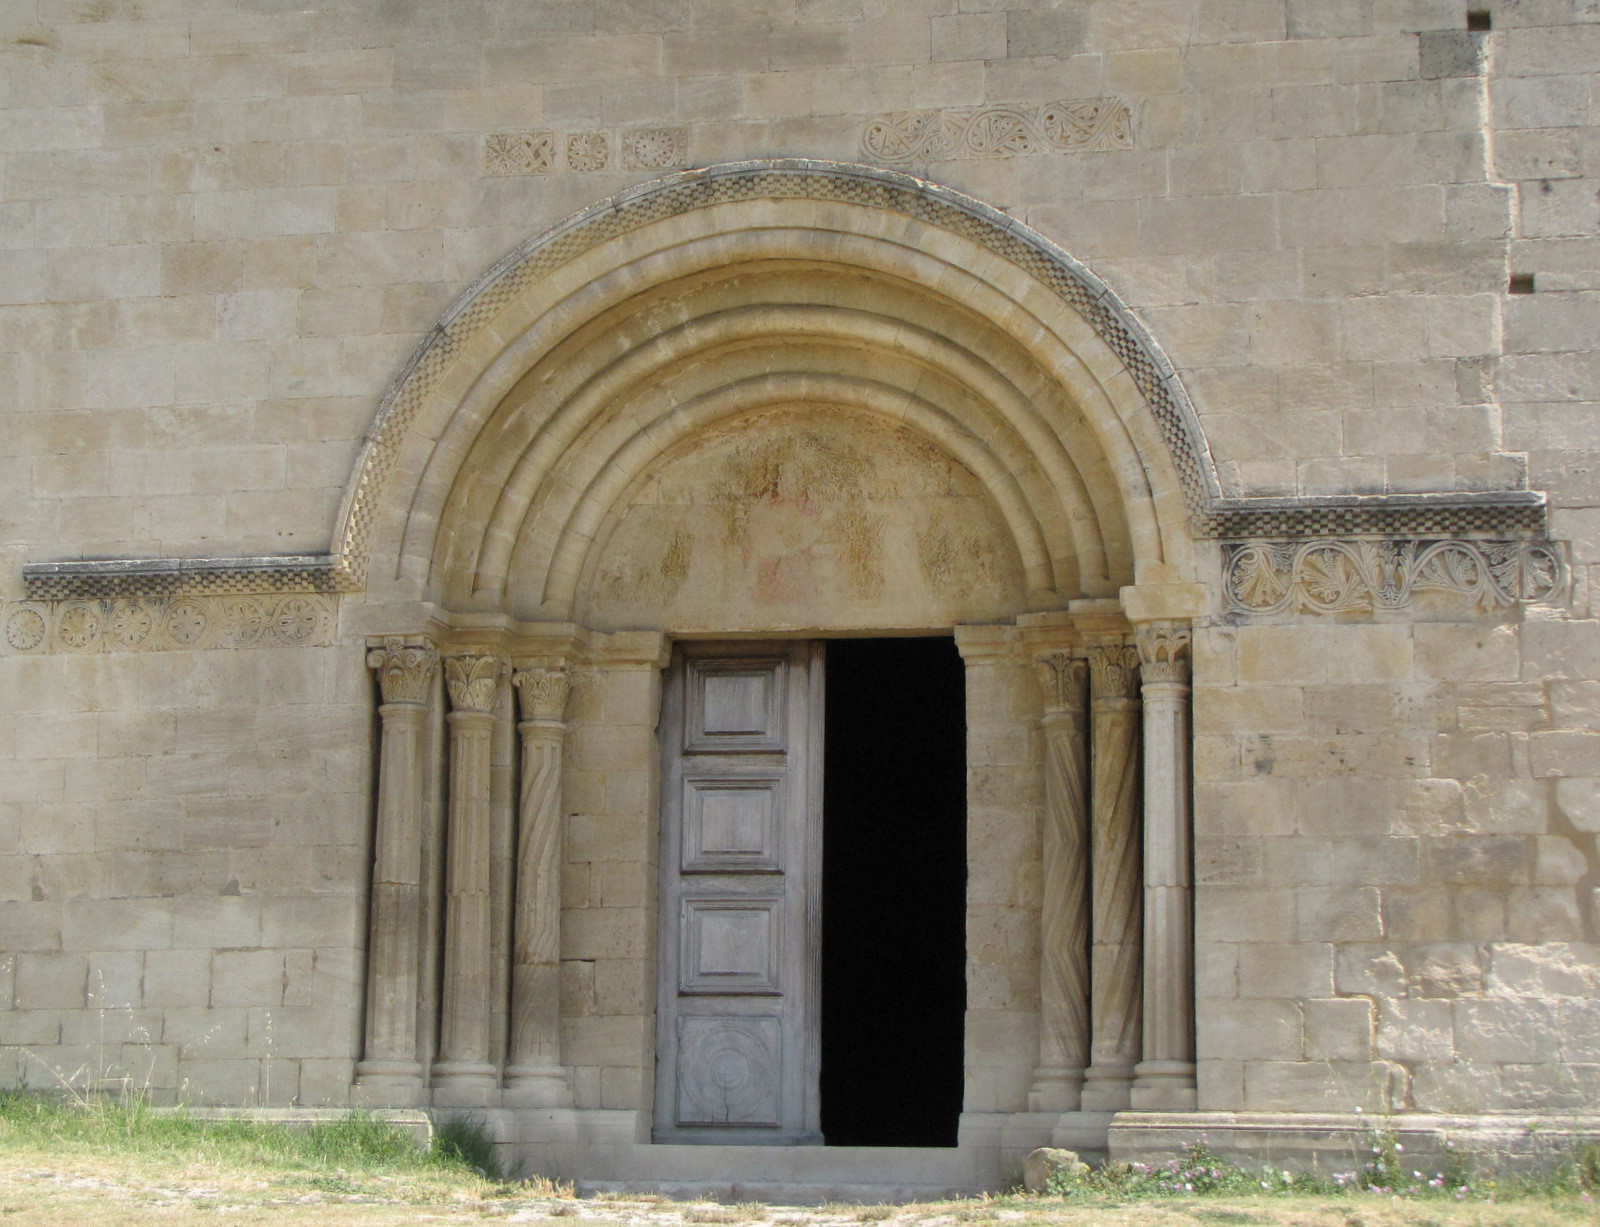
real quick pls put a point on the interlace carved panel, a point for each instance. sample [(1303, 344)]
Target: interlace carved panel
[(1332, 576), (908, 137), (541, 153)]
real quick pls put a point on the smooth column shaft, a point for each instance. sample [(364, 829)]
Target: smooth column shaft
[(463, 1074), (1165, 1077), (390, 1071)]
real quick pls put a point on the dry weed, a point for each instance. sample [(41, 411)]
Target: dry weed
[(706, 1213)]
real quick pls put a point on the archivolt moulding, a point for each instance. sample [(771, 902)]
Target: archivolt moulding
[(1210, 514)]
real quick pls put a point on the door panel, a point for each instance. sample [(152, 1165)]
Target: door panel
[(737, 1048)]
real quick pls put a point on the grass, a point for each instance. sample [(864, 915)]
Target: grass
[(113, 1162)]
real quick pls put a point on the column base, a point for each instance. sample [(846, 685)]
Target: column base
[(1106, 1088), (465, 1084), (536, 1086), (390, 1084), (1164, 1086), (1056, 1088)]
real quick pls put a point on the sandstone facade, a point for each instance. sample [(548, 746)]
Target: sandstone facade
[(1221, 373)]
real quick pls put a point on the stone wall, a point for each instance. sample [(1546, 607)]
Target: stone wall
[(223, 230)]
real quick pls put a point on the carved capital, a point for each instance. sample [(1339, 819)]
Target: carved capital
[(1062, 676), (405, 668), (1114, 671), (1164, 651), (543, 692), (471, 681)]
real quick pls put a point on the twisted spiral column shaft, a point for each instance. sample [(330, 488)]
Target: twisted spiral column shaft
[(1117, 899)]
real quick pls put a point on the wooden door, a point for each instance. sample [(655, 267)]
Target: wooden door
[(737, 1041)]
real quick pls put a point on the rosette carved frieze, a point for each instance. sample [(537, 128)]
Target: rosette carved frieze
[(167, 624)]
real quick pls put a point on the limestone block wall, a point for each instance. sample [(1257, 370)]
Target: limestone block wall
[(1396, 864), (223, 230), (183, 884), (611, 789)]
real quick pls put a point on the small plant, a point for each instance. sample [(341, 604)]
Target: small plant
[(1586, 1169), (466, 1140), (706, 1213)]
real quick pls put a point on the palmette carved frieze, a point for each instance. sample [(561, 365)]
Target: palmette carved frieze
[(172, 624), (1333, 576), (908, 137)]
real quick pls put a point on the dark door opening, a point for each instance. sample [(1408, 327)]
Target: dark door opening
[(894, 878)]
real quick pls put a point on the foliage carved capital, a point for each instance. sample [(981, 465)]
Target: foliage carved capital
[(1164, 651), (1114, 670), (543, 692), (405, 668), (471, 679), (1062, 675)]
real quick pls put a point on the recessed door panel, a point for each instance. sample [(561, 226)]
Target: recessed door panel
[(737, 1030), (730, 945), (729, 1072), (735, 705), (732, 825)]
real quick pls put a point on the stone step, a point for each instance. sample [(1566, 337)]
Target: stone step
[(783, 1193)]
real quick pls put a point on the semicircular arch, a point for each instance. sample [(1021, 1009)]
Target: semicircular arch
[(995, 344)]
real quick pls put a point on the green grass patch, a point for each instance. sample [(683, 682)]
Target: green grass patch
[(357, 1142)]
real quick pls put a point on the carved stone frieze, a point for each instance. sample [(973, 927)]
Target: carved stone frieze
[(911, 136), (471, 681), (405, 669), (655, 148), (184, 623), (1331, 575), (908, 137), (541, 153), (588, 151), (519, 153)]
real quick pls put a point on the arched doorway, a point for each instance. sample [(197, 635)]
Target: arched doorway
[(779, 402)]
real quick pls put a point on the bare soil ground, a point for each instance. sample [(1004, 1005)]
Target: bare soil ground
[(38, 1188)]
